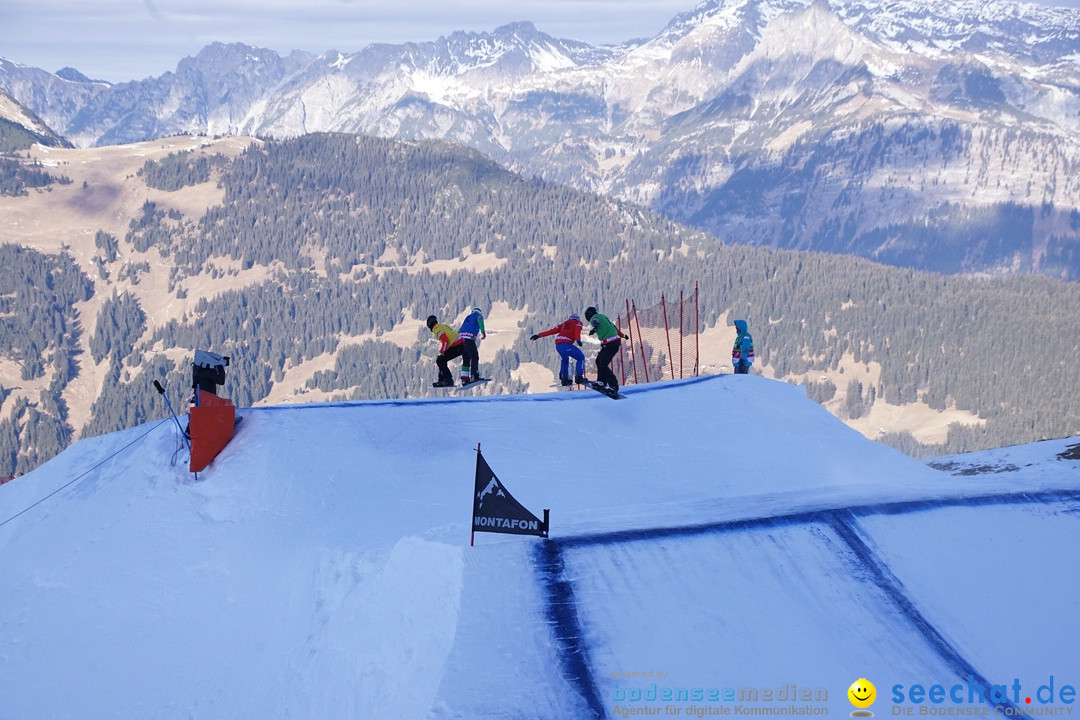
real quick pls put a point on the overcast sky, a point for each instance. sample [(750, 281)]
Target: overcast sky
[(120, 40)]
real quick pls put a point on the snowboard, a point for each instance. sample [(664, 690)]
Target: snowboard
[(471, 385), (613, 394)]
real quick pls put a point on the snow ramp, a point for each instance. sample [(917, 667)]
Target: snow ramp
[(719, 546)]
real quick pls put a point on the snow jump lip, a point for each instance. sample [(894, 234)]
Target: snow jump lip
[(798, 510), (556, 396)]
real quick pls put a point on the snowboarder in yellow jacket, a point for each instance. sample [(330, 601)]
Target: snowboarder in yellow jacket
[(450, 346)]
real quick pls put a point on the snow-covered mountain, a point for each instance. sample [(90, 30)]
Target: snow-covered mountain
[(722, 540), (937, 135), (20, 128)]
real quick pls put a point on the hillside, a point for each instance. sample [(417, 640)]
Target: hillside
[(321, 567), (20, 128), (312, 262), (935, 136)]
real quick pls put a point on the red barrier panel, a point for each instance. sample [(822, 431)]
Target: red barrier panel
[(211, 427)]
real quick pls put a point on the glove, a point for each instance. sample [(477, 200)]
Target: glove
[(593, 331), (535, 337), (625, 336), (579, 343)]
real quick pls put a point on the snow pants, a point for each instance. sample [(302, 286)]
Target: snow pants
[(568, 351), (443, 361), (603, 359), (470, 363)]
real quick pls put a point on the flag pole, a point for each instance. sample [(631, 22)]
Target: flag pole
[(472, 534)]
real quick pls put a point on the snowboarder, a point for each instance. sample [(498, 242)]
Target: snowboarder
[(742, 353), (610, 343), (450, 346), (472, 326), (566, 335)]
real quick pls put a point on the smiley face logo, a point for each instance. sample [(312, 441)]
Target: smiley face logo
[(862, 693)]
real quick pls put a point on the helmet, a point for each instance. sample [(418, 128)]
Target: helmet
[(431, 320), (573, 316), (589, 312), (477, 310)]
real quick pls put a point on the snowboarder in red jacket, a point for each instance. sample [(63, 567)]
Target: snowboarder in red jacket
[(568, 345)]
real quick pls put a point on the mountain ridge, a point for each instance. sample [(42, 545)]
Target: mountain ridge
[(890, 125), (20, 128)]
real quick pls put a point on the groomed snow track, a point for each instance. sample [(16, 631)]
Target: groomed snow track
[(857, 548), (714, 533)]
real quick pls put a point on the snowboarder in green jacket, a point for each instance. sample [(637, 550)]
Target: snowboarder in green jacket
[(610, 342)]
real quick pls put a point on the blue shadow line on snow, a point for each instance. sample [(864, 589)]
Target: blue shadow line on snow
[(1013, 498), (725, 526), (845, 525), (406, 402), (562, 616), (561, 608), (554, 396), (809, 516)]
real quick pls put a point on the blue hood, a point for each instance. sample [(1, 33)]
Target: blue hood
[(740, 325)]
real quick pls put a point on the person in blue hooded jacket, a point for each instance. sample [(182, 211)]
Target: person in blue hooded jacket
[(742, 354), (471, 328)]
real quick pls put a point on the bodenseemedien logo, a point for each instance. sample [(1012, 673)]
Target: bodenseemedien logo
[(862, 694), (701, 701)]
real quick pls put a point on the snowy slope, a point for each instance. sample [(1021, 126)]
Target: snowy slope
[(726, 532)]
